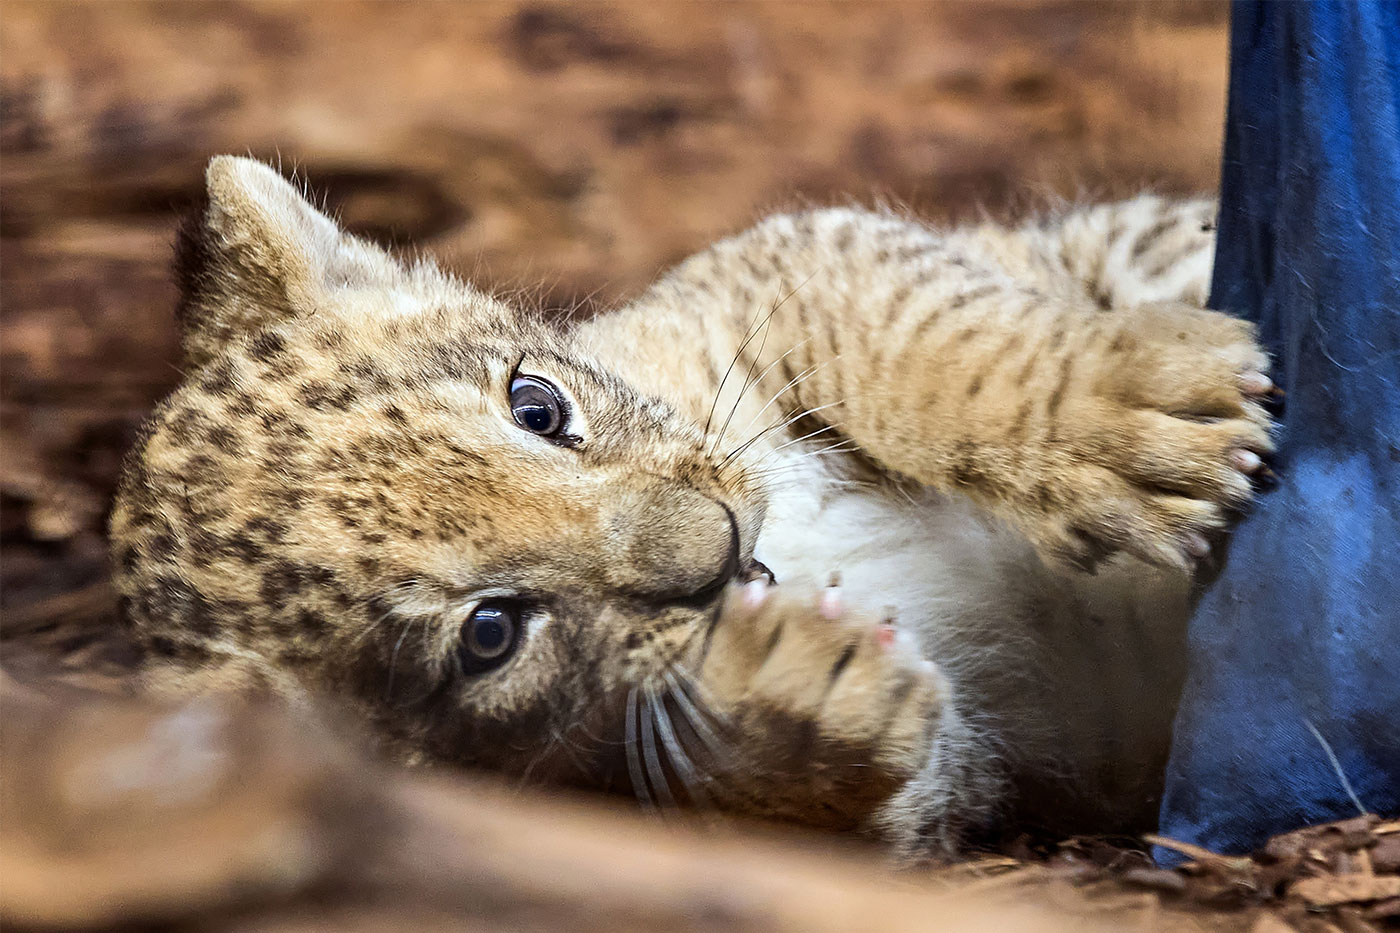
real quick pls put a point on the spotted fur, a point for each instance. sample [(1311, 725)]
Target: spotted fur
[(959, 424)]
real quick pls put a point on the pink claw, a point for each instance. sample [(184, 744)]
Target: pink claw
[(1246, 461), (755, 593), (830, 606), (1256, 384), (1197, 546)]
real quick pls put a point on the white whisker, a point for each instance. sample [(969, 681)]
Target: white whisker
[(634, 763), (808, 435), (747, 384), (748, 378), (685, 769), (697, 719), (749, 333), (653, 761), (792, 383), (394, 658), (778, 426)]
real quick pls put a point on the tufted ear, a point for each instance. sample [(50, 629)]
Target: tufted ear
[(256, 252)]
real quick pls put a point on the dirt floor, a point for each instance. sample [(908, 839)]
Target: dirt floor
[(565, 152)]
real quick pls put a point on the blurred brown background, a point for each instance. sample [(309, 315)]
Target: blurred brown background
[(572, 149)]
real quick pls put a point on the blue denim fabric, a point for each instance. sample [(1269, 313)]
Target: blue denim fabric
[(1301, 632)]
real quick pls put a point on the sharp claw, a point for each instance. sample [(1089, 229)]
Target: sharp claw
[(1256, 383), (830, 606), (1196, 545), (1265, 480), (1246, 461), (755, 593), (756, 569)]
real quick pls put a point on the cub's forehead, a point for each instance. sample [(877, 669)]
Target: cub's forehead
[(390, 392), (334, 361)]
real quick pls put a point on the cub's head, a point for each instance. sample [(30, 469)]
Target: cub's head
[(379, 484)]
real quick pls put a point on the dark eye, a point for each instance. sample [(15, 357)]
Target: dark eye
[(536, 406), (489, 636)]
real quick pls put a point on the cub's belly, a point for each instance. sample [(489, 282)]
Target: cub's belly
[(1073, 677)]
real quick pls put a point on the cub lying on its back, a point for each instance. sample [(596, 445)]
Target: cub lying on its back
[(551, 550)]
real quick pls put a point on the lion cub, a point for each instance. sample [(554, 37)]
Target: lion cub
[(606, 553)]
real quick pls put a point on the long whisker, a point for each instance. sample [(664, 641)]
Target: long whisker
[(572, 749), (790, 350), (773, 463), (394, 658), (748, 379), (749, 333), (810, 434), (634, 763), (757, 356), (797, 458), (775, 427), (702, 696), (653, 760), (558, 739), (554, 741), (697, 720), (792, 383), (364, 633), (781, 479), (685, 769), (838, 447)]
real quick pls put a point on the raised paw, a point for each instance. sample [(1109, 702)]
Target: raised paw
[(829, 711), (1167, 437)]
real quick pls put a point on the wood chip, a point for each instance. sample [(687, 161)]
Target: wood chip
[(1158, 879), (1344, 889), (1239, 863)]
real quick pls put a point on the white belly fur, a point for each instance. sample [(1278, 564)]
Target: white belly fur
[(1075, 677)]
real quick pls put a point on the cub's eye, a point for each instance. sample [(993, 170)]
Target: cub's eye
[(537, 406), (489, 636)]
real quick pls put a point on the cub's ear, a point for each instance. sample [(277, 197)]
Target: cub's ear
[(257, 252)]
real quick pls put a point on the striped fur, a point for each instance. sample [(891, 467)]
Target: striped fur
[(958, 424)]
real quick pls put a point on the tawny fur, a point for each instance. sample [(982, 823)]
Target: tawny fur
[(1013, 442)]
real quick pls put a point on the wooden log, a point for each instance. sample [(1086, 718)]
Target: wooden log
[(221, 814)]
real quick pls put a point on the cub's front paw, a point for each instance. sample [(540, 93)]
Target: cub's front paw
[(1166, 433), (831, 712)]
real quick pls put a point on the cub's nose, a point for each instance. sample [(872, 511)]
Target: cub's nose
[(670, 543)]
